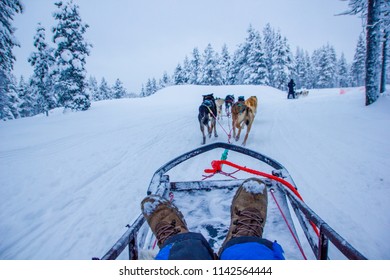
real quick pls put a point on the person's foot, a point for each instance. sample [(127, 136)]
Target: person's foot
[(248, 210), (164, 219)]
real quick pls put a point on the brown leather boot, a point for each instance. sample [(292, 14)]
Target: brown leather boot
[(248, 210), (164, 219)]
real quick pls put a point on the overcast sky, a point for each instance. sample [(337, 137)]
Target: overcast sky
[(137, 40)]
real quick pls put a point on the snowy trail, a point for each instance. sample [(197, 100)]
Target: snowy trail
[(71, 182)]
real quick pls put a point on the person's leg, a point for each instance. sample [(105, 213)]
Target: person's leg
[(251, 248), (186, 246), (168, 225), (248, 215)]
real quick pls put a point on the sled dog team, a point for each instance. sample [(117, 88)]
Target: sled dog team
[(243, 113)]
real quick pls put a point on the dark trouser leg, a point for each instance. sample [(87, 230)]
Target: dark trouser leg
[(186, 246)]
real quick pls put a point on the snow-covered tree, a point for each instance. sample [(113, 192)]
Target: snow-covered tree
[(93, 89), (210, 72), (257, 73), (165, 80), (326, 64), (186, 70), (8, 9), (195, 65), (225, 66), (70, 55), (41, 83), (301, 69), (343, 73), (28, 101), (269, 39), (151, 87), (118, 90), (13, 97), (310, 78), (359, 61), (104, 90), (178, 75), (282, 63), (376, 13)]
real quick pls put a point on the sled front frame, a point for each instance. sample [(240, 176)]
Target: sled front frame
[(160, 184)]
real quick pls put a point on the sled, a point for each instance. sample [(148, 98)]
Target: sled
[(205, 204)]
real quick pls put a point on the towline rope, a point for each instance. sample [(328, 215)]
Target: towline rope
[(229, 134)]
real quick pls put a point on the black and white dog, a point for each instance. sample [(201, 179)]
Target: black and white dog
[(207, 116), (229, 101)]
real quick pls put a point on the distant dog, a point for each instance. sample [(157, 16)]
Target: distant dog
[(219, 102), (229, 101), (243, 113), (207, 115), (301, 93)]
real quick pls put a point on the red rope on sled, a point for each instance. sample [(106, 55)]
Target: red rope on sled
[(217, 168), (288, 225)]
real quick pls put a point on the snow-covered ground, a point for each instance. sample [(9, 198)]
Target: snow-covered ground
[(69, 183)]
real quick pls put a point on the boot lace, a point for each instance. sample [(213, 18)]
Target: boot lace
[(249, 223), (164, 230)]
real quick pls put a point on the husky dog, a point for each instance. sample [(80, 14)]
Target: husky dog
[(243, 113), (229, 101), (207, 115), (219, 102)]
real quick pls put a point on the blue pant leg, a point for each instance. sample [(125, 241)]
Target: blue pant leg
[(186, 246), (252, 248)]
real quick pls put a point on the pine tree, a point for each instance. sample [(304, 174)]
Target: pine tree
[(118, 91), (326, 67), (310, 78), (28, 101), (165, 80), (241, 70), (269, 38), (104, 90), (377, 13), (70, 55), (178, 76), (300, 71), (151, 87), (226, 66), (343, 73), (41, 83), (195, 65), (8, 8), (93, 89), (186, 71), (257, 73), (282, 63), (13, 96), (210, 71), (358, 64)]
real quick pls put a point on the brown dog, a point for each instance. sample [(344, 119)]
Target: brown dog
[(243, 113), (251, 102)]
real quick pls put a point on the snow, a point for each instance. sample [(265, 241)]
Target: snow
[(66, 55), (151, 204), (69, 183), (254, 187)]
